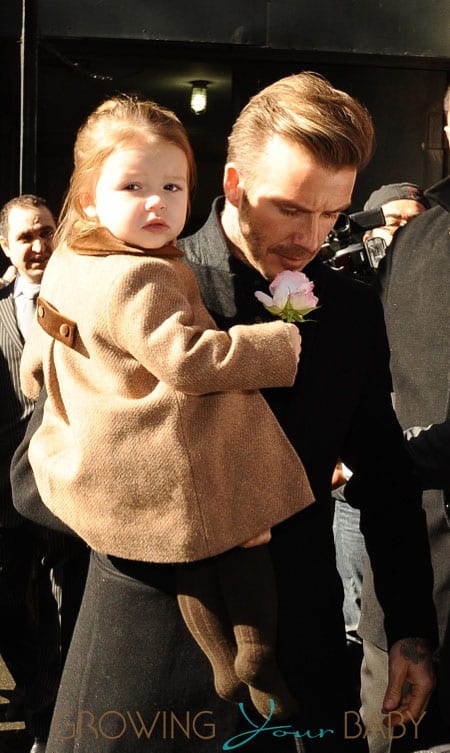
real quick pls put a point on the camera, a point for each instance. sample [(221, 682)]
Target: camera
[(345, 250)]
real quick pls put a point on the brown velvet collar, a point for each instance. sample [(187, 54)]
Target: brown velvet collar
[(100, 242), (95, 241)]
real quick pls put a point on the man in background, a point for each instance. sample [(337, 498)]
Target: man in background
[(415, 279), (400, 202), (29, 630)]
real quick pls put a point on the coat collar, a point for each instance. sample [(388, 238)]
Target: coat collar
[(208, 246), (98, 241)]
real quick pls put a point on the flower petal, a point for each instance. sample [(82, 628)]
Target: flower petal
[(293, 281), (281, 296), (264, 298), (304, 299)]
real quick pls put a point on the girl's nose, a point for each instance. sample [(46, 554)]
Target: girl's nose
[(154, 202)]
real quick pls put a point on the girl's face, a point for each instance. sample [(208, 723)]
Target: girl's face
[(141, 195)]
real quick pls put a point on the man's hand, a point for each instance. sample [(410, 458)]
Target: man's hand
[(411, 680), (341, 475)]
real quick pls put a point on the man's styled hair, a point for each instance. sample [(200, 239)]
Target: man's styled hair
[(115, 124), (305, 109), (24, 201)]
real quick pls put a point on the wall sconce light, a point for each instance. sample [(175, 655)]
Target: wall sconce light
[(199, 96)]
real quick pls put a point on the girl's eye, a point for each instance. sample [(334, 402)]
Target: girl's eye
[(172, 187), (132, 187)]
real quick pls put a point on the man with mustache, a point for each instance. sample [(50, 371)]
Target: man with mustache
[(293, 157), (30, 653)]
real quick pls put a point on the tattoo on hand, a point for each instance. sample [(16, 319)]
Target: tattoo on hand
[(415, 650)]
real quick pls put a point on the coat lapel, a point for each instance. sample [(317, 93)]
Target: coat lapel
[(8, 319)]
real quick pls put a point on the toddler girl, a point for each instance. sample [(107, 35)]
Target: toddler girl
[(155, 443)]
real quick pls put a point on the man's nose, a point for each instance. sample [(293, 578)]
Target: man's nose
[(38, 245), (308, 234)]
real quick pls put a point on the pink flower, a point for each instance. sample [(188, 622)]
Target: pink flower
[(293, 296)]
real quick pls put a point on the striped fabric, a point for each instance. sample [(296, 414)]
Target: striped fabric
[(15, 408)]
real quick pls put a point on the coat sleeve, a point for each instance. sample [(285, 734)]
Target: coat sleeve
[(161, 322), (386, 489), (429, 447)]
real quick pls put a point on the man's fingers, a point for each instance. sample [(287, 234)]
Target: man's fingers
[(398, 669), (418, 703), (393, 695), (409, 711)]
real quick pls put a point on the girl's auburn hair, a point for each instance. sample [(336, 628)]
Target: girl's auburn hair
[(117, 122)]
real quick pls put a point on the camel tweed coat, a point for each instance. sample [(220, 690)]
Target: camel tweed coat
[(155, 443)]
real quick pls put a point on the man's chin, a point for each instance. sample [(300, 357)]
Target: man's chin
[(294, 266), (35, 276), (37, 267), (284, 261), (288, 264)]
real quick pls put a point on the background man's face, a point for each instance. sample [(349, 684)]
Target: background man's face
[(29, 240), (397, 213), (288, 207)]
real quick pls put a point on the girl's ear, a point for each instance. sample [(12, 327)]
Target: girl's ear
[(231, 184), (88, 206)]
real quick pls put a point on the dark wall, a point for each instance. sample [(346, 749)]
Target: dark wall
[(9, 117), (392, 27), (406, 105)]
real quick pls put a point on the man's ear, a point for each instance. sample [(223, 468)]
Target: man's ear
[(4, 245), (232, 184)]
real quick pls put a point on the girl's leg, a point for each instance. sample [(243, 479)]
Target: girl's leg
[(249, 589), (229, 604), (205, 613)]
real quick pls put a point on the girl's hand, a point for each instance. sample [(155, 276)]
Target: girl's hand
[(296, 339)]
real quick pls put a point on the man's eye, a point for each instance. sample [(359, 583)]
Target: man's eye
[(289, 211), (172, 187)]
